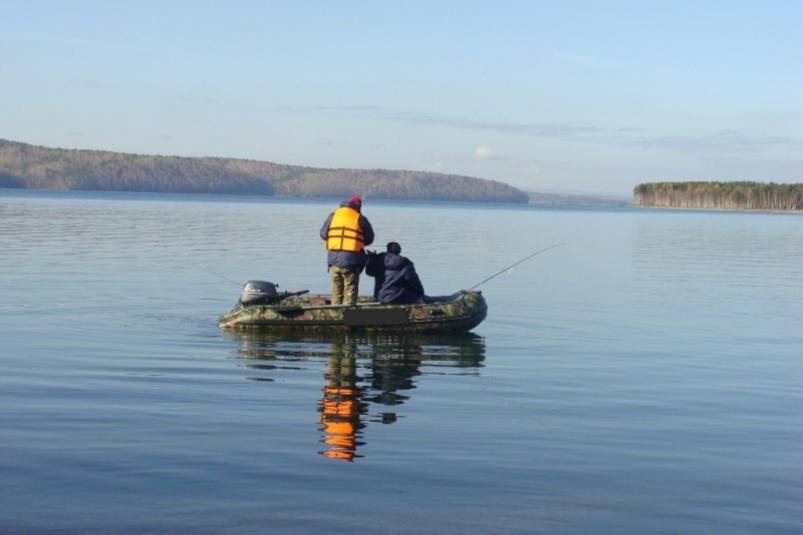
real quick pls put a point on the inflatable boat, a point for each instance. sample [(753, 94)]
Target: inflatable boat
[(262, 307)]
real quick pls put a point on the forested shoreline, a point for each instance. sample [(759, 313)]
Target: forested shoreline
[(742, 195), (34, 167)]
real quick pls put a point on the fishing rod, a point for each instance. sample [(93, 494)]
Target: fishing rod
[(222, 276), (511, 266)]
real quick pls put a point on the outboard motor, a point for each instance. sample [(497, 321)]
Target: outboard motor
[(259, 293)]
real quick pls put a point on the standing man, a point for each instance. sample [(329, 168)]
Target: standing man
[(346, 232)]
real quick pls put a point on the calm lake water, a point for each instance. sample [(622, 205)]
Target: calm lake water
[(643, 378)]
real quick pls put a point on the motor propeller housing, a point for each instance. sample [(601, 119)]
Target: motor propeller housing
[(259, 293)]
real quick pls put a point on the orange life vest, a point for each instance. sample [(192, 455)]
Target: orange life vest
[(344, 232)]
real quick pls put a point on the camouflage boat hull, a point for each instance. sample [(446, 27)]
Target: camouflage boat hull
[(459, 312)]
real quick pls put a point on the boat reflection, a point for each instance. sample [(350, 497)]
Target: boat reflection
[(365, 376)]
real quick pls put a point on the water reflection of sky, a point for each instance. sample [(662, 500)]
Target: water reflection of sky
[(364, 377)]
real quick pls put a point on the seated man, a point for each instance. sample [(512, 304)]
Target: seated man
[(396, 280)]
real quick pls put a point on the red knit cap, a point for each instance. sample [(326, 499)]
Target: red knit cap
[(356, 201)]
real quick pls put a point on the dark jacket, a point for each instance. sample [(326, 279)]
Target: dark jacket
[(348, 259), (396, 280)]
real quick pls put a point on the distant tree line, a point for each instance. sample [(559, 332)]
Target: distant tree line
[(29, 166), (719, 195)]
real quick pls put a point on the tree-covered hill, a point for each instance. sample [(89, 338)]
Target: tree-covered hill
[(719, 195), (29, 166)]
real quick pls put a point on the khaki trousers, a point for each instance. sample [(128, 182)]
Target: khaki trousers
[(345, 285)]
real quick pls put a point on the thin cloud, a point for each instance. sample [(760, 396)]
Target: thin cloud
[(91, 83), (723, 141), (482, 153), (561, 131), (196, 98), (586, 60), (718, 142), (356, 108), (67, 40)]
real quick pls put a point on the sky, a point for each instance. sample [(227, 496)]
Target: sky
[(571, 96)]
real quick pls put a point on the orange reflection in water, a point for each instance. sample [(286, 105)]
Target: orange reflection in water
[(340, 418), (341, 406), (363, 373)]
